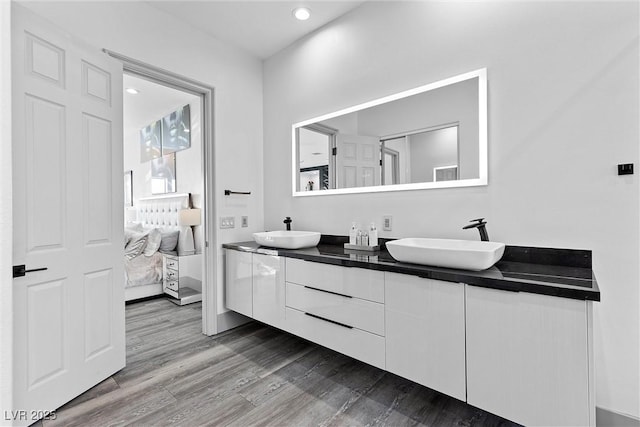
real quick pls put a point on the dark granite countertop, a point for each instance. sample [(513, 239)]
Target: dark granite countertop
[(558, 272)]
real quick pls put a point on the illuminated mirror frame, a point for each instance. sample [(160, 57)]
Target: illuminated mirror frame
[(482, 179)]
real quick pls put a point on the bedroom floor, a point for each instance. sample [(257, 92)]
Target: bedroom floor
[(251, 375)]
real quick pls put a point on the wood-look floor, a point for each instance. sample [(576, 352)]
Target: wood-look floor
[(252, 375)]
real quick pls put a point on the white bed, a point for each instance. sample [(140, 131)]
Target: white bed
[(143, 272)]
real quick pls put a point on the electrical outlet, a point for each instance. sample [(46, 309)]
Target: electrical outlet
[(245, 221), (387, 223), (227, 222)]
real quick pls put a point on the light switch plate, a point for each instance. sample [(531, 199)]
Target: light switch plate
[(227, 222), (625, 169), (244, 221), (387, 223)]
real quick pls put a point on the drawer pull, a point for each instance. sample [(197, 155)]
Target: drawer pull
[(330, 321), (329, 292)]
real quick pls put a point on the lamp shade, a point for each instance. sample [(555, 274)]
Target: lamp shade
[(189, 217)]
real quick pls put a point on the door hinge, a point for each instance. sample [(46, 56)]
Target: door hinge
[(334, 151)]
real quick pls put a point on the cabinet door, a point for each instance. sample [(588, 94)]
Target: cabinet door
[(237, 285), (425, 336), (268, 290), (527, 356)]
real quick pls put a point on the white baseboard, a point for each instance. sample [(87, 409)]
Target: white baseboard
[(607, 418), (231, 319)]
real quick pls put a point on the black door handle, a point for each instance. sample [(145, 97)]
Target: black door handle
[(21, 270)]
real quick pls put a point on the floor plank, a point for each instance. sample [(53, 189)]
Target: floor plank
[(252, 375)]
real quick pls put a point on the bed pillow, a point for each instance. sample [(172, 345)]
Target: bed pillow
[(129, 230), (153, 242), (169, 240), (136, 245), (128, 235)]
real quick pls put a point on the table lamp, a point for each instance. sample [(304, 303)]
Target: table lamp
[(187, 218)]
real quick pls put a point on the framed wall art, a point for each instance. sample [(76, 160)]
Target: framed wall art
[(151, 141), (176, 131)]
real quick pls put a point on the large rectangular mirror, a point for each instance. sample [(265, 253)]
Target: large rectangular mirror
[(433, 136)]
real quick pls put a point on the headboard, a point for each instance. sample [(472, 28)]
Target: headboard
[(162, 212)]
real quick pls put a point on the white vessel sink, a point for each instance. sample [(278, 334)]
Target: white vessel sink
[(449, 253), (287, 239)]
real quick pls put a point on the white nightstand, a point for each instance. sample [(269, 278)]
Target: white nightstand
[(178, 281)]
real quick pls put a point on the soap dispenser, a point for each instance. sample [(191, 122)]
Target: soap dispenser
[(353, 234), (373, 235)]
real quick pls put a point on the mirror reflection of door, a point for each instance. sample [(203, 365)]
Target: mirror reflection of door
[(390, 172), (357, 161), (316, 162), (394, 153)]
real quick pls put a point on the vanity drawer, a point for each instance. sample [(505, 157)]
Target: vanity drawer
[(355, 282), (355, 312), (353, 342)]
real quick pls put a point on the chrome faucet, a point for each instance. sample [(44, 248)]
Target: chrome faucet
[(480, 225), (288, 221)]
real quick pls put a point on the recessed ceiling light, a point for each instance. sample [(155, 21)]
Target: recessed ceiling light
[(132, 91), (302, 13)]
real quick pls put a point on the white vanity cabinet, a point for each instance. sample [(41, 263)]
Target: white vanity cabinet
[(268, 289), (425, 332), (529, 357), (239, 282), (340, 308), (523, 356), (254, 286)]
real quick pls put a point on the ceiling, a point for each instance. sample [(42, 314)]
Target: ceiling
[(152, 103), (261, 28)]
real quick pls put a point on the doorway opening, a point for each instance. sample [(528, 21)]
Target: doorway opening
[(162, 159), (197, 166)]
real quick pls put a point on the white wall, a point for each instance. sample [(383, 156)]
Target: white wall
[(140, 31), (430, 150), (6, 207), (563, 112)]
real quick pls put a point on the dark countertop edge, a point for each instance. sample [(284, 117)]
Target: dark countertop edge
[(473, 278)]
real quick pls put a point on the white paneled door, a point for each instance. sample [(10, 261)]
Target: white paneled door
[(358, 161), (68, 215)]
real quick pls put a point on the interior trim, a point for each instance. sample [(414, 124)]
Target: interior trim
[(210, 250)]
